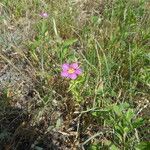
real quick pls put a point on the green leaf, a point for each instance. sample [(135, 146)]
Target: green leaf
[(117, 110), (143, 146), (124, 106), (65, 46), (94, 147), (126, 130), (69, 42), (113, 147), (129, 115), (138, 122)]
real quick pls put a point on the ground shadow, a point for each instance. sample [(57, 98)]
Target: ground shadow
[(17, 134)]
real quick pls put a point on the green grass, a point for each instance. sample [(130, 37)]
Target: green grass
[(111, 42)]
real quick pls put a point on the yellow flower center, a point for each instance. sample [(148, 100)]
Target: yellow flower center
[(71, 70)]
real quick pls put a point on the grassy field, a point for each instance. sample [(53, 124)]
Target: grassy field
[(105, 106)]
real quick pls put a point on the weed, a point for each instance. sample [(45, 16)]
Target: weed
[(107, 106)]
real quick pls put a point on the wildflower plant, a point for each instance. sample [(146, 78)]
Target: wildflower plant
[(107, 103), (44, 15), (73, 71)]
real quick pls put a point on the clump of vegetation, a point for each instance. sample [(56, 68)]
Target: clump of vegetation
[(74, 74)]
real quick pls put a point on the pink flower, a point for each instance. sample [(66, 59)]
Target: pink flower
[(44, 15), (70, 70)]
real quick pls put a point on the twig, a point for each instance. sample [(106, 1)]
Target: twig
[(92, 137), (142, 109)]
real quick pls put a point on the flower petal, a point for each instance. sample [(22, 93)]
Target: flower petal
[(44, 14), (64, 74), (78, 71), (72, 76), (74, 65), (65, 67)]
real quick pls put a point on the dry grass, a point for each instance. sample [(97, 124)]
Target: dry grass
[(105, 108)]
